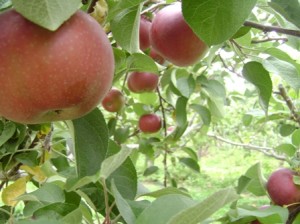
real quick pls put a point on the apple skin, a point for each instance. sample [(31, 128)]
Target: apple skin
[(281, 187), (149, 123), (255, 222), (173, 39), (140, 82), (113, 101), (49, 76), (144, 33), (156, 57)]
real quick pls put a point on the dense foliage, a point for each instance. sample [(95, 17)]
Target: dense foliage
[(86, 170)]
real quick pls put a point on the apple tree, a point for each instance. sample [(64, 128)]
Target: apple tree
[(89, 89)]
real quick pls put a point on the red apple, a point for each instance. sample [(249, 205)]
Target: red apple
[(255, 222), (145, 26), (173, 39), (149, 123), (48, 76), (281, 187), (113, 101), (139, 82), (156, 57)]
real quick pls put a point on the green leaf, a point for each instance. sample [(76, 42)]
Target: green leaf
[(203, 112), (141, 62), (165, 191), (191, 163), (287, 149), (181, 114), (48, 193), (296, 138), (123, 206), (121, 134), (169, 204), (125, 176), (286, 129), (113, 162), (5, 4), (90, 136), (183, 82), (124, 27), (150, 170), (243, 183), (50, 14), (257, 184), (74, 217), (40, 221), (8, 132), (215, 21), (255, 73), (287, 71), (290, 10), (203, 210)]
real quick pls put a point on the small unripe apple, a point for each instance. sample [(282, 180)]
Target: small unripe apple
[(156, 57), (149, 123), (281, 188), (173, 39), (49, 76), (113, 101), (144, 33), (139, 82)]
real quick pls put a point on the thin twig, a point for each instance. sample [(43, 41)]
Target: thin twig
[(276, 29), (268, 39), (265, 150), (289, 103)]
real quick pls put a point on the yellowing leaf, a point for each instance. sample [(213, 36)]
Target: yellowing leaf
[(11, 192), (36, 172)]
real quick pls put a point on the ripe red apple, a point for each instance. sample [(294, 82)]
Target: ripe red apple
[(139, 82), (173, 39), (281, 187), (48, 76), (149, 123), (113, 101), (156, 57), (255, 222), (145, 26)]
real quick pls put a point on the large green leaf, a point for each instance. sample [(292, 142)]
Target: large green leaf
[(49, 14), (141, 62), (257, 183), (290, 10), (7, 133), (90, 136), (203, 210), (125, 176), (215, 21), (255, 73), (164, 208), (123, 206), (285, 70), (125, 28)]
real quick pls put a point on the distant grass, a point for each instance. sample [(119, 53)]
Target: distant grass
[(220, 168)]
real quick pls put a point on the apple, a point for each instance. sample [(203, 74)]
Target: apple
[(144, 33), (113, 101), (255, 222), (49, 76), (149, 123), (156, 57), (173, 39), (139, 82), (281, 188)]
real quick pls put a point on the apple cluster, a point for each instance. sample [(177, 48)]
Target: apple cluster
[(170, 38)]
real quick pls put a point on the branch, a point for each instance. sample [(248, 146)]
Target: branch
[(269, 39), (265, 150), (277, 29), (289, 103)]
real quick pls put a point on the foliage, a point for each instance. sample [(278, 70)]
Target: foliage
[(88, 170)]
